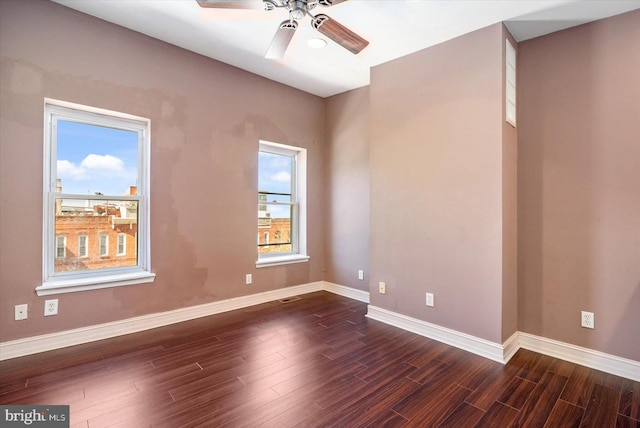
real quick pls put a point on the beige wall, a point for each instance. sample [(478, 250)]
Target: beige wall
[(206, 119), (579, 185), (413, 180), (347, 189), (509, 211), (436, 183)]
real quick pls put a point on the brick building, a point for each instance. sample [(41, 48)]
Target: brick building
[(272, 231), (100, 236)]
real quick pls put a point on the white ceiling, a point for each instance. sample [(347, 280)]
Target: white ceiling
[(394, 28)]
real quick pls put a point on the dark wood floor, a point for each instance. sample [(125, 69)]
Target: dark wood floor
[(314, 362)]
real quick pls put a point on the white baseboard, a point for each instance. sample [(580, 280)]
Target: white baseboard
[(62, 339), (608, 363), (352, 293), (510, 347), (502, 353), (484, 348), (497, 352)]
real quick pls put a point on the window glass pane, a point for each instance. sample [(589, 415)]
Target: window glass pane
[(82, 246), (95, 159), (60, 247), (122, 244), (101, 223), (275, 172), (275, 209), (104, 245), (274, 226)]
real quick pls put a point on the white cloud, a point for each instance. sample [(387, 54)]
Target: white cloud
[(91, 164), (281, 176), (103, 163), (67, 169)]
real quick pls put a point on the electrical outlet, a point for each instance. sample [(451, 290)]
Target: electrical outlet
[(50, 307), (429, 301), (382, 288), (588, 320), (360, 275), (248, 279), (21, 312)]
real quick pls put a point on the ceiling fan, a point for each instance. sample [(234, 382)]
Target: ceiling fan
[(297, 10)]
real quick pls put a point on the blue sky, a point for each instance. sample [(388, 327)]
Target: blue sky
[(94, 159)]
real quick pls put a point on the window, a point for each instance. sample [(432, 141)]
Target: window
[(281, 204), (104, 245), (82, 246), (96, 179), (510, 90), (61, 247), (122, 244)]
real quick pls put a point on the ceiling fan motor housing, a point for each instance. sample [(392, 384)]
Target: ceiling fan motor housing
[(297, 9)]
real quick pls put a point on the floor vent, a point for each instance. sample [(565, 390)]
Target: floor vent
[(289, 299)]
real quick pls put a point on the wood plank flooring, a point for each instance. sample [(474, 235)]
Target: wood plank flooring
[(313, 362)]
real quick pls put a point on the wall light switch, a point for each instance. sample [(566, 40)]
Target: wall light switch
[(360, 275), (382, 288), (429, 301), (248, 279)]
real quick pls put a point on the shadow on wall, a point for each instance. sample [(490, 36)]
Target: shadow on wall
[(179, 282), (558, 172), (630, 319)]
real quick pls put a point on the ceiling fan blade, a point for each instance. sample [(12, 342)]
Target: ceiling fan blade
[(281, 39), (339, 33), (329, 2), (232, 4)]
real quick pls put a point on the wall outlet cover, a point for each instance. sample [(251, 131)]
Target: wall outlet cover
[(50, 307), (21, 312), (587, 319), (382, 288)]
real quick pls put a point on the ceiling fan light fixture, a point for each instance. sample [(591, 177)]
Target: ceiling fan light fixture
[(297, 9), (317, 43)]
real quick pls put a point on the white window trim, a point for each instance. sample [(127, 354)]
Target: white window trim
[(106, 245), (299, 232), (64, 246), (122, 236), (86, 246), (78, 281), (510, 81)]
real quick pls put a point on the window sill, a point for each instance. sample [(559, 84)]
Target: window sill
[(59, 286), (281, 260)]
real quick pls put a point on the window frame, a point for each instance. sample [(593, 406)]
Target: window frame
[(86, 245), (65, 282), (121, 237), (106, 245), (64, 246), (298, 228)]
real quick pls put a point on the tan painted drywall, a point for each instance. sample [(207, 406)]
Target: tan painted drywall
[(436, 183), (579, 185), (509, 210), (347, 189), (206, 120)]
